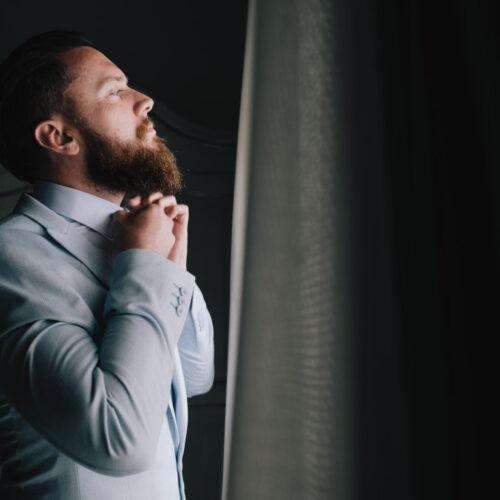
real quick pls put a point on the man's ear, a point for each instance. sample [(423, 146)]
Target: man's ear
[(55, 135)]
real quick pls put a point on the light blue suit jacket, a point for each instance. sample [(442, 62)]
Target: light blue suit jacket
[(96, 363)]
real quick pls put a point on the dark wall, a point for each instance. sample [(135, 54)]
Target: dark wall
[(188, 54)]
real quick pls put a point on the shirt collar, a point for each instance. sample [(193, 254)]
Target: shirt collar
[(82, 207)]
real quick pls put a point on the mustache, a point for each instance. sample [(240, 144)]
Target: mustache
[(144, 127)]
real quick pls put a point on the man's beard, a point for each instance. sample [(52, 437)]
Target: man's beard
[(131, 168)]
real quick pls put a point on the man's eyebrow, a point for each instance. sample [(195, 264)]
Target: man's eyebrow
[(103, 82)]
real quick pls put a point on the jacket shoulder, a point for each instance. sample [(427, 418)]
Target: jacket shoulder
[(19, 222), (39, 279), (22, 237)]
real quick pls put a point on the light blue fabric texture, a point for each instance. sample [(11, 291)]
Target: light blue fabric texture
[(98, 354)]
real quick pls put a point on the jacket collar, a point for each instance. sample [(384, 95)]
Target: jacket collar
[(64, 233), (88, 209), (32, 208)]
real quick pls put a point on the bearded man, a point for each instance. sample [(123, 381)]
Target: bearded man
[(103, 332)]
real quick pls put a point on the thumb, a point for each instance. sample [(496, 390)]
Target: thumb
[(119, 215)]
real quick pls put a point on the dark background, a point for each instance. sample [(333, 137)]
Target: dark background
[(188, 56), (420, 86)]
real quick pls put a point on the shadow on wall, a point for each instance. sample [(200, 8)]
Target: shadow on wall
[(10, 190)]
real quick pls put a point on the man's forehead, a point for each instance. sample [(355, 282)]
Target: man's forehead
[(90, 66)]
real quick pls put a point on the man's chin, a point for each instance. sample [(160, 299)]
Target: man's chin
[(153, 142)]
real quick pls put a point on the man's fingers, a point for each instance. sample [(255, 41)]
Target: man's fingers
[(157, 198), (166, 201), (137, 201), (120, 214), (152, 198), (134, 201), (178, 212)]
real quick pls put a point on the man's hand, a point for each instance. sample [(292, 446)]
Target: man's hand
[(147, 227), (179, 214)]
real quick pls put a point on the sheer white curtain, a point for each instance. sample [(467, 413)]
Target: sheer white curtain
[(288, 420)]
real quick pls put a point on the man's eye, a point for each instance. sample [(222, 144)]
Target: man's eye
[(116, 92)]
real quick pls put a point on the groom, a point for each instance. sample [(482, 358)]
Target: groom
[(103, 332)]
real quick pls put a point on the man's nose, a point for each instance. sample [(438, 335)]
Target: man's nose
[(143, 104)]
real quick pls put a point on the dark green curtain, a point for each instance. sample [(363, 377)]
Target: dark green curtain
[(365, 257)]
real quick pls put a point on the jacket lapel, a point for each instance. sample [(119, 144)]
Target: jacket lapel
[(67, 236), (87, 253)]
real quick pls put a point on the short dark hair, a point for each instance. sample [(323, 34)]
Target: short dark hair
[(33, 79)]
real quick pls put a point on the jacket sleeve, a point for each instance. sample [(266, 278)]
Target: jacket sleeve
[(196, 347), (103, 405)]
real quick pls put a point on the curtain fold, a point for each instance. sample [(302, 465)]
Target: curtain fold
[(362, 170), (292, 416)]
